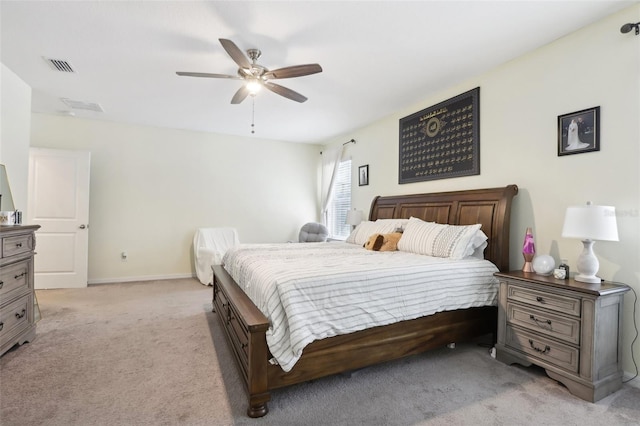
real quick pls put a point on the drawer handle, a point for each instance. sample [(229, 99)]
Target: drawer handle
[(541, 323), (1, 284), (1, 326), (21, 314), (544, 351), (17, 277), (19, 245), (244, 345), (539, 299)]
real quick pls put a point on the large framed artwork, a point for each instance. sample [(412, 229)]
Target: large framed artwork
[(579, 132), (442, 141)]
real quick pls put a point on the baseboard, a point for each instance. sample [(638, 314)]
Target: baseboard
[(141, 278)]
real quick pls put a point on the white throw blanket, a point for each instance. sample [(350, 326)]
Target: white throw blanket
[(316, 290)]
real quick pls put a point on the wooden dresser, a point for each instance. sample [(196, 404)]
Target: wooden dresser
[(17, 325), (571, 329)]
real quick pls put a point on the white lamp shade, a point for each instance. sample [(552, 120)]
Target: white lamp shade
[(354, 217), (591, 222)]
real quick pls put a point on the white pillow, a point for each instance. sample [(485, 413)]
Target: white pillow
[(397, 223), (477, 244), (365, 229), (434, 239)]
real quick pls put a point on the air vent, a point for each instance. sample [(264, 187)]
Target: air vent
[(60, 65), (88, 106)]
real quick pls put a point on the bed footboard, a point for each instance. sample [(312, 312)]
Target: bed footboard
[(245, 327)]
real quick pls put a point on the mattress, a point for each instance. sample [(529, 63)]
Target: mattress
[(312, 291)]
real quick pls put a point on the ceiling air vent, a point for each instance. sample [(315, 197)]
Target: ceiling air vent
[(88, 106), (60, 65)]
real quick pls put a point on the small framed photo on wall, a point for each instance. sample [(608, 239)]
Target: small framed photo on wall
[(579, 132), (363, 175)]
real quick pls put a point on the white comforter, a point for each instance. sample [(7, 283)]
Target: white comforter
[(315, 290)]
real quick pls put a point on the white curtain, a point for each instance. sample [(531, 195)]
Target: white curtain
[(330, 162)]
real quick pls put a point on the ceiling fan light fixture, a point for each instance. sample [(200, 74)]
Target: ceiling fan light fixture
[(253, 86)]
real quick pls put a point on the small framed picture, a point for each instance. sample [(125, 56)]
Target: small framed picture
[(363, 175), (579, 132)]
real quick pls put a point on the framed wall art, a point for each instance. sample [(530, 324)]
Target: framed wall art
[(579, 132), (363, 175), (442, 141)]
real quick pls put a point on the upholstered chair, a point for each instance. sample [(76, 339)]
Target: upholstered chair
[(313, 232)]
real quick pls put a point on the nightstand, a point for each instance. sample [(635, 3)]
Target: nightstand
[(571, 329)]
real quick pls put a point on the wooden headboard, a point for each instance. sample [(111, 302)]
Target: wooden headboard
[(490, 207)]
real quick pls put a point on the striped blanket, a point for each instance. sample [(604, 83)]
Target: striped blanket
[(316, 290)]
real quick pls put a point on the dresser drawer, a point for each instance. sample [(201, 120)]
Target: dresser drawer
[(15, 317), (547, 350), (17, 245), (546, 300), (14, 280), (559, 327)]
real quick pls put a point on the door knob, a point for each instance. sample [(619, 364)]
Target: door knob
[(82, 226)]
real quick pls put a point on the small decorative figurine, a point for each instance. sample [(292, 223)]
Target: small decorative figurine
[(528, 251)]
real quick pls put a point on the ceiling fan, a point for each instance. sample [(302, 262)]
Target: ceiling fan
[(256, 76)]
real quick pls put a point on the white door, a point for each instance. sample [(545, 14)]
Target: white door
[(58, 201)]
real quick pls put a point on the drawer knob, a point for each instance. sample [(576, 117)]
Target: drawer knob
[(19, 245), (539, 299), (1, 284), (21, 314), (539, 322), (1, 326), (17, 277), (537, 349)]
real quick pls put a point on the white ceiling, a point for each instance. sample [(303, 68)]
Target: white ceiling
[(378, 57)]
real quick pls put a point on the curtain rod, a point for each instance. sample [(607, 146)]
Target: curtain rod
[(351, 141)]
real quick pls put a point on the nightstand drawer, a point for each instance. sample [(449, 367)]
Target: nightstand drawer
[(562, 328), (547, 350), (546, 300)]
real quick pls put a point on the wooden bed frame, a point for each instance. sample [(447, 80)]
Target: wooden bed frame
[(245, 325)]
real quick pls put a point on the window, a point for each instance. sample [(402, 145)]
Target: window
[(340, 202)]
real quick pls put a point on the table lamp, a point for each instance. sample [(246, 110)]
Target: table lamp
[(590, 223), (354, 217)]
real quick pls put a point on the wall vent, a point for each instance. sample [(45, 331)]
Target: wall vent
[(88, 106), (60, 65)]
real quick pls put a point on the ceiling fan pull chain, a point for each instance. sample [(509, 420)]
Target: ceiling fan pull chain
[(253, 114)]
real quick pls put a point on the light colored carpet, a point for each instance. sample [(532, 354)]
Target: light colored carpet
[(152, 353)]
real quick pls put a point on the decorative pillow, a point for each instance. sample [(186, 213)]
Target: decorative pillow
[(367, 228), (434, 239)]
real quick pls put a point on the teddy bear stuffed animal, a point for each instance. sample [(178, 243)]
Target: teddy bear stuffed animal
[(383, 242)]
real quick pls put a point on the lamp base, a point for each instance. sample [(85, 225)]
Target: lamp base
[(588, 264), (528, 267), (588, 279)]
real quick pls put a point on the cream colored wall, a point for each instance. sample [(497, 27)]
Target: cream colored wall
[(15, 128), (519, 105), (151, 189)]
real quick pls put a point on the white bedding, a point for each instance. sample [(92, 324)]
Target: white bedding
[(316, 290)]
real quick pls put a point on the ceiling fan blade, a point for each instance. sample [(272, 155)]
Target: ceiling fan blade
[(236, 54), (294, 71), (207, 75), (240, 95), (283, 91)]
